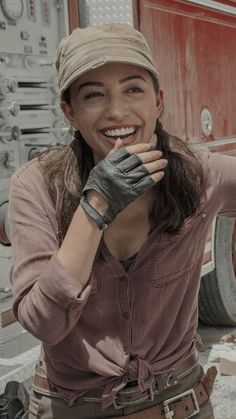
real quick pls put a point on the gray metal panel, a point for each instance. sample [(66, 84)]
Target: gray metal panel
[(29, 101), (95, 12)]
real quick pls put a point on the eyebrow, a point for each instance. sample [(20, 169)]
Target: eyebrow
[(99, 84)]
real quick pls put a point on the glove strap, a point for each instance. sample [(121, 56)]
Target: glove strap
[(94, 214)]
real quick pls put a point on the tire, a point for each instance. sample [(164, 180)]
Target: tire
[(217, 295)]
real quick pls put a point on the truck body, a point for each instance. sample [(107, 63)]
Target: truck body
[(194, 46)]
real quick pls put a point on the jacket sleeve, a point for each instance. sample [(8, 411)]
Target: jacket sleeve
[(224, 177), (48, 300)]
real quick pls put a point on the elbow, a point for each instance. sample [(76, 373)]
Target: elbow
[(51, 336), (51, 340)]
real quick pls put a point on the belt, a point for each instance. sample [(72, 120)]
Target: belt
[(182, 406)]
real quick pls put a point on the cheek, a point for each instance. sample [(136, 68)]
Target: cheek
[(151, 106), (152, 114), (81, 121), (87, 117)]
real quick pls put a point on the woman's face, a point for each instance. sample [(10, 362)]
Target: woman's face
[(111, 102)]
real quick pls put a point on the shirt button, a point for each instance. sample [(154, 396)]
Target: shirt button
[(126, 315), (123, 279), (73, 306)]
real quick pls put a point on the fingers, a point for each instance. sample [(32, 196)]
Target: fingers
[(155, 169), (157, 176), (151, 159), (118, 144), (142, 149), (139, 148), (156, 166), (149, 156)]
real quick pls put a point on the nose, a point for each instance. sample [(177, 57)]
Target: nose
[(117, 109)]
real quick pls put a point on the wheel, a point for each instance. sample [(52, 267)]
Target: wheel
[(217, 296)]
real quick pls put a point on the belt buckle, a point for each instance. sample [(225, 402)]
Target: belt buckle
[(149, 397), (170, 413)]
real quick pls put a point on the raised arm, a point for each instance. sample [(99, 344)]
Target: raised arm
[(51, 285)]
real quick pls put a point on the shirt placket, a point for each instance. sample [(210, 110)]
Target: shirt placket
[(124, 292)]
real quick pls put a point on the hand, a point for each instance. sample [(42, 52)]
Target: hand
[(150, 158), (122, 176)]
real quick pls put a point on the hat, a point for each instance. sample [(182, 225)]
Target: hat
[(91, 47)]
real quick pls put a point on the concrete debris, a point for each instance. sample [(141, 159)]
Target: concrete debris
[(230, 337), (224, 354)]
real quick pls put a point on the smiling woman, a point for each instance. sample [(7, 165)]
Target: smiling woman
[(108, 236), (114, 101)]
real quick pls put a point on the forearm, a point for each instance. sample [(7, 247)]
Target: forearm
[(48, 296), (79, 248)]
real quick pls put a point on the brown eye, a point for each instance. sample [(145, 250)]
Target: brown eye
[(93, 95), (134, 90)]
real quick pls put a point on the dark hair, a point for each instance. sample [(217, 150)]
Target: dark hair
[(67, 168)]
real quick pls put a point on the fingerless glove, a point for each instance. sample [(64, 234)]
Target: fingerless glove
[(119, 178)]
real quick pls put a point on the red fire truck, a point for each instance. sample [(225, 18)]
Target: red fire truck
[(194, 46)]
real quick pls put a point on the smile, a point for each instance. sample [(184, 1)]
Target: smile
[(123, 132)]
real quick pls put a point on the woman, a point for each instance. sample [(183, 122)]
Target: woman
[(108, 236)]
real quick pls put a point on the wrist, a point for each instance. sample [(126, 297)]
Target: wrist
[(101, 220), (97, 202)]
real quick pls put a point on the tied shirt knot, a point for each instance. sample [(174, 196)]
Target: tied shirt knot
[(137, 369)]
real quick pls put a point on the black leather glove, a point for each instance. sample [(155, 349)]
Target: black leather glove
[(119, 178)]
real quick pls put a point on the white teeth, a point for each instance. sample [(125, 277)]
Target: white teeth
[(119, 132)]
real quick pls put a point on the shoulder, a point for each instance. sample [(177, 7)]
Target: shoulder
[(32, 172), (213, 161), (29, 180), (202, 153), (29, 173), (219, 175)]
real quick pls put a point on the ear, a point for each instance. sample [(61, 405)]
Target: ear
[(68, 111), (159, 102)]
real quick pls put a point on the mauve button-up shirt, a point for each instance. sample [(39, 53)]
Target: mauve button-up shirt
[(122, 325)]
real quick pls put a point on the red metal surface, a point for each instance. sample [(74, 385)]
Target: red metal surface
[(7, 317), (73, 12), (136, 14), (194, 49), (234, 249)]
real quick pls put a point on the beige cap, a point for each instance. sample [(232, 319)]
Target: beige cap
[(91, 47)]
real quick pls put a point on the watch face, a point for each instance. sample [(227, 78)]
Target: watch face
[(206, 121), (12, 9)]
